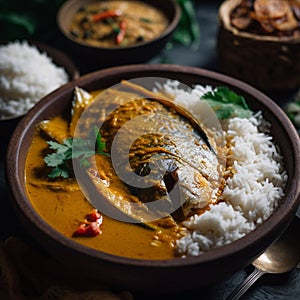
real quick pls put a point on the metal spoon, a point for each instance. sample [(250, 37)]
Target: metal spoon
[(282, 256)]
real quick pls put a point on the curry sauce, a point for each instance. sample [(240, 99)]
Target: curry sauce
[(117, 23), (63, 206), (172, 142)]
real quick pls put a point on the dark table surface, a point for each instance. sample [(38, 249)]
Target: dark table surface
[(276, 287)]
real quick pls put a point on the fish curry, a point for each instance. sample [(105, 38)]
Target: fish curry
[(171, 142)]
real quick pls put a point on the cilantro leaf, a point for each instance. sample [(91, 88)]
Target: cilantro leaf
[(79, 147), (54, 159), (227, 103), (59, 171), (75, 148), (56, 146)]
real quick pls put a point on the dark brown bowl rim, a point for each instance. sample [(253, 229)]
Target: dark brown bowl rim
[(171, 27), (277, 222)]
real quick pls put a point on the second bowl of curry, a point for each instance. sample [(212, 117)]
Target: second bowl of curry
[(110, 33)]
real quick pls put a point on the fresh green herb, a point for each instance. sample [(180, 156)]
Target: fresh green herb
[(146, 20), (60, 160), (30, 19), (292, 109), (188, 30), (19, 19), (227, 103)]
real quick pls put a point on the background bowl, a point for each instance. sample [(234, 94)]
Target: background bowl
[(160, 275), (265, 61), (92, 58), (60, 59)]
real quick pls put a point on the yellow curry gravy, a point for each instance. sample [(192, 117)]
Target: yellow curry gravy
[(62, 205)]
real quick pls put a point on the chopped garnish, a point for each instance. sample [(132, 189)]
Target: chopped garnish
[(94, 216), (60, 160), (92, 225), (227, 103), (106, 14), (88, 230), (121, 33), (146, 20)]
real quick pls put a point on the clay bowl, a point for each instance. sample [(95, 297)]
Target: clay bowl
[(159, 275), (96, 57), (276, 58), (60, 59)]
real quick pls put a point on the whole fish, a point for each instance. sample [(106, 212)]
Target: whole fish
[(161, 166)]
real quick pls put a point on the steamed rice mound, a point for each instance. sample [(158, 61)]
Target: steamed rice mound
[(26, 76), (254, 187), (250, 196)]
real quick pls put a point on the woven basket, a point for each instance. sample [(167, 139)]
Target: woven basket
[(267, 62)]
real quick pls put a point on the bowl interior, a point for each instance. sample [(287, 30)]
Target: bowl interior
[(205, 266)]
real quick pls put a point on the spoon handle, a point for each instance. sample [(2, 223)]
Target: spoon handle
[(246, 284)]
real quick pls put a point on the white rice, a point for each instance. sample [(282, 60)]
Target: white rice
[(250, 196), (26, 76)]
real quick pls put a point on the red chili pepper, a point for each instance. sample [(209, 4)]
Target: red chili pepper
[(92, 225), (92, 229), (88, 230), (80, 231), (121, 34), (106, 14), (93, 216)]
